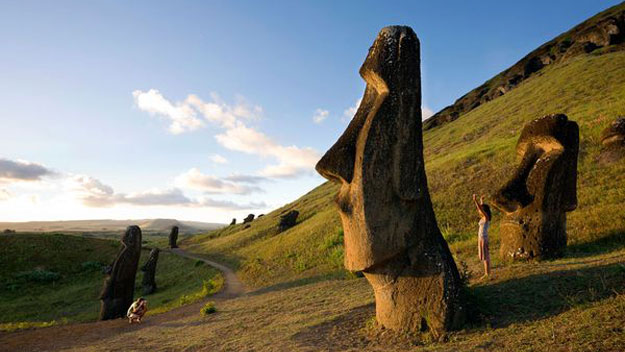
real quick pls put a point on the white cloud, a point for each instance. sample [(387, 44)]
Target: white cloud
[(195, 179), (218, 159), (426, 113), (246, 178), (320, 115), (348, 114), (93, 193), (182, 117), (292, 160), (21, 170)]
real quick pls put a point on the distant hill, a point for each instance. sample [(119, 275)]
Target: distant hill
[(106, 225), (602, 33)]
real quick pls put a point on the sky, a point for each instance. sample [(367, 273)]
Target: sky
[(209, 110)]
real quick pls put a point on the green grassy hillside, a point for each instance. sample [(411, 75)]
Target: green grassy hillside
[(473, 154), (50, 279)]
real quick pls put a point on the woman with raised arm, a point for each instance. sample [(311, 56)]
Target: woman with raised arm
[(482, 235)]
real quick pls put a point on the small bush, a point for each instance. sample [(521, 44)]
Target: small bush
[(91, 266), (38, 276), (209, 308)]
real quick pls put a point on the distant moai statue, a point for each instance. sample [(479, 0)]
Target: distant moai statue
[(288, 220), (541, 191), (249, 218), (119, 285), (233, 222), (391, 234), (613, 141), (173, 237), (149, 272)]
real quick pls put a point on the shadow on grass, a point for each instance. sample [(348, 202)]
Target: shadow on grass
[(335, 275), (611, 242), (540, 296)]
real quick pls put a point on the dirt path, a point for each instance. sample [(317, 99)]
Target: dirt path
[(233, 287), (81, 335)]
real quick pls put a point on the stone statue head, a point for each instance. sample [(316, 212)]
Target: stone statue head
[(132, 237), (547, 175), (378, 161)]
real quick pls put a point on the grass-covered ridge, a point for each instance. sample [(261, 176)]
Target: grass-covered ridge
[(47, 279), (474, 154)]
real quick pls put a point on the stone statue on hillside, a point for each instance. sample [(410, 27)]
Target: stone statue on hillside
[(119, 285), (249, 218), (288, 220), (544, 187), (149, 273), (233, 222), (613, 141), (173, 237), (391, 234)]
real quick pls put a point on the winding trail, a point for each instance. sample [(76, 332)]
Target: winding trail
[(83, 335), (233, 287)]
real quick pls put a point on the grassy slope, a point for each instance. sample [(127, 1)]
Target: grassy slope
[(74, 295), (474, 154)]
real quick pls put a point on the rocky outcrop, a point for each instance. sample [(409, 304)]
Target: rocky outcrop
[(544, 187), (288, 220), (149, 273), (391, 234), (173, 237), (248, 218), (233, 222), (119, 285), (613, 141), (604, 31)]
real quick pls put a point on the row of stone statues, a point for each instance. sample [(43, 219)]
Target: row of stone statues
[(391, 234)]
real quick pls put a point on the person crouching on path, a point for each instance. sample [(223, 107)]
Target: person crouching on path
[(137, 310), (482, 235)]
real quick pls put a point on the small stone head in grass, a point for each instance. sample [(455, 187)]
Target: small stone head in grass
[(391, 233)]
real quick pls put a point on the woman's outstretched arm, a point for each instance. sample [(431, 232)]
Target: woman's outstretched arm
[(478, 205)]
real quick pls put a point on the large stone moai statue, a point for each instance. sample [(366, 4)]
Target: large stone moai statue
[(119, 286), (173, 237), (149, 272), (613, 141), (542, 190), (391, 234)]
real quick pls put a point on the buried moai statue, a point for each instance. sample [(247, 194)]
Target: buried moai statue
[(288, 220), (391, 234), (613, 141), (233, 222), (248, 219), (543, 189), (149, 273), (119, 285), (173, 237)]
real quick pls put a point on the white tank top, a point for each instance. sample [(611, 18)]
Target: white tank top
[(483, 231)]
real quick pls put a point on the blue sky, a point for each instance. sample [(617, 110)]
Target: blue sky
[(206, 110)]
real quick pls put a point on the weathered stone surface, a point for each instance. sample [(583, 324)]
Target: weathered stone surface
[(390, 229), (173, 237), (119, 285), (613, 141), (544, 187), (288, 220), (149, 273), (233, 222), (249, 218)]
